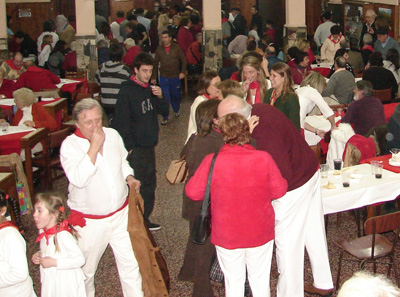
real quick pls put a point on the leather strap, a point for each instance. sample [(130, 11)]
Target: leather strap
[(206, 200)]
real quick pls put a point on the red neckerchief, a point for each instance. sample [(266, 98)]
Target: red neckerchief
[(120, 20), (79, 134), (167, 48), (8, 224), (44, 45), (10, 63), (274, 97), (334, 41), (134, 79), (368, 47), (224, 20), (255, 85), (207, 96), (53, 230)]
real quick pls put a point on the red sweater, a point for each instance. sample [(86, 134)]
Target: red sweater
[(131, 54), (184, 38), (40, 116), (193, 52), (243, 184), (7, 88), (36, 79)]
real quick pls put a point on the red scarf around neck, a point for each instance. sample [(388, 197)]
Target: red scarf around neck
[(333, 40), (79, 133), (134, 79), (53, 230), (274, 97), (8, 224), (207, 96), (10, 63), (254, 85)]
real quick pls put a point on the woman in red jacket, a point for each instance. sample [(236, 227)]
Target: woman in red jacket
[(7, 86), (242, 224), (30, 113)]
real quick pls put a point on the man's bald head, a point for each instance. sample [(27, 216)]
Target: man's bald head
[(233, 104), (17, 59)]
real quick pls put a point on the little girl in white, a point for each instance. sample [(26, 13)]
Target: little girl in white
[(59, 257), (14, 275)]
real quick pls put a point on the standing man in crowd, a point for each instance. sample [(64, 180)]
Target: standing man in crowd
[(384, 42), (299, 218), (256, 19), (238, 22), (171, 62), (369, 26), (136, 120), (94, 161), (324, 30)]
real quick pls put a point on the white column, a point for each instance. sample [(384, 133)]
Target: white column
[(212, 14), (212, 35), (295, 13), (85, 24), (3, 25)]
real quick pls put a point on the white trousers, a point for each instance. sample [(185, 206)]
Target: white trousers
[(258, 262), (94, 239), (299, 224)]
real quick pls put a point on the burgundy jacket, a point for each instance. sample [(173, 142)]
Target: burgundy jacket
[(7, 88), (37, 79)]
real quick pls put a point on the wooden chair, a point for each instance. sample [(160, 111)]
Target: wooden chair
[(373, 246), (190, 77), (75, 75), (49, 160), (384, 95), (48, 93)]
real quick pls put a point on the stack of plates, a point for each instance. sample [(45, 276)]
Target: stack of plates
[(394, 163)]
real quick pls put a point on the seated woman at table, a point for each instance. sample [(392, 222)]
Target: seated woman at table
[(30, 113), (342, 53), (310, 96), (304, 46), (301, 68), (7, 86), (282, 95)]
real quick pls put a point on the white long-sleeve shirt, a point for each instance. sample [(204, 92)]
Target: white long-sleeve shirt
[(14, 274), (101, 188), (192, 127)]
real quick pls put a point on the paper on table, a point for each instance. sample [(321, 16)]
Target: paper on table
[(7, 102), (66, 81), (17, 129), (47, 99)]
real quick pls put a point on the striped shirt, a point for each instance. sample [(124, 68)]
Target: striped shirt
[(109, 77)]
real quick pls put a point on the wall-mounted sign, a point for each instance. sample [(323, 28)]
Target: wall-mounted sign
[(24, 13)]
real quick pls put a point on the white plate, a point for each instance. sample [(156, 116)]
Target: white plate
[(48, 99), (396, 164)]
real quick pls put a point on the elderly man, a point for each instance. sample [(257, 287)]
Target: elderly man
[(239, 22), (341, 83), (239, 45), (366, 111), (384, 42), (14, 67), (369, 26), (299, 218), (94, 161), (37, 79), (132, 50)]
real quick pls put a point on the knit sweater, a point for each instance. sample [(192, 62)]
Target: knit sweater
[(170, 64), (110, 76), (136, 115), (341, 85), (391, 43)]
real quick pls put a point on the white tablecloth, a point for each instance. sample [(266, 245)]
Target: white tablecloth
[(65, 81), (364, 189), (16, 129)]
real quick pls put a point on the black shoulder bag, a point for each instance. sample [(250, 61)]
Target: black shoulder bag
[(202, 225)]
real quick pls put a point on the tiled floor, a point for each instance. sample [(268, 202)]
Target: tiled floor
[(173, 235)]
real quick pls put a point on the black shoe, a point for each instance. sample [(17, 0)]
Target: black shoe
[(164, 122), (153, 227)]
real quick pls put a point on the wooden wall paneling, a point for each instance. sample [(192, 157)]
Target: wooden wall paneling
[(66, 7), (39, 13), (275, 11), (313, 12), (115, 6), (245, 6)]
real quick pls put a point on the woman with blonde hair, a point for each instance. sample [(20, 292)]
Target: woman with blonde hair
[(253, 78), (310, 96), (163, 23), (282, 94), (304, 46)]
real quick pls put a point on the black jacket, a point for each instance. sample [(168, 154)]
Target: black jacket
[(136, 117)]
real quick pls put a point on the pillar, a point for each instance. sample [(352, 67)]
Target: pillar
[(3, 31), (212, 35), (295, 27), (86, 51)]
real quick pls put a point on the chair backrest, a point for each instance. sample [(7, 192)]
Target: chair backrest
[(56, 138), (380, 133), (72, 75), (48, 93), (359, 148), (383, 95), (383, 223)]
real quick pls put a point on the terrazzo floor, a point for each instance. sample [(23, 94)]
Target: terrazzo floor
[(174, 232)]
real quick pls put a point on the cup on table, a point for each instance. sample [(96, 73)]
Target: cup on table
[(378, 171), (373, 166), (337, 164), (395, 154), (4, 127), (324, 170), (345, 178)]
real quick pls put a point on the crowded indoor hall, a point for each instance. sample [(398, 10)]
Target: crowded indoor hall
[(201, 148)]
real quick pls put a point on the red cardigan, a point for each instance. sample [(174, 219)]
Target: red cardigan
[(40, 116), (131, 54), (243, 184), (184, 38), (36, 79), (7, 88)]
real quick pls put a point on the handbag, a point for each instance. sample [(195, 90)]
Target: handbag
[(202, 224), (177, 171)]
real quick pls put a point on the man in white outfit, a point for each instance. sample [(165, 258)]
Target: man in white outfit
[(94, 160), (299, 217)]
